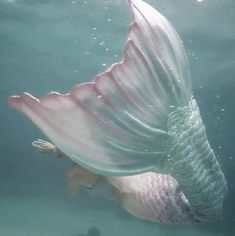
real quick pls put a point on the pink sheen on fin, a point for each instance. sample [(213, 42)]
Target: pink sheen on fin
[(117, 124)]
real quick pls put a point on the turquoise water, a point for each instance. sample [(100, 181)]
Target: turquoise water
[(52, 45)]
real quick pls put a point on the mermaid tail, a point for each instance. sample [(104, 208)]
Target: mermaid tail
[(138, 116)]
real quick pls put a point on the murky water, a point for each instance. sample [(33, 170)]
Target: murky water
[(52, 45)]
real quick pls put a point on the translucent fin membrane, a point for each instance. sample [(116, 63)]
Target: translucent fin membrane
[(117, 124)]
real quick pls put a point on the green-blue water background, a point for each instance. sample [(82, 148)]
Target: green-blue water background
[(52, 45)]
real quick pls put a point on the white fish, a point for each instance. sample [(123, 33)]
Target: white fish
[(138, 125)]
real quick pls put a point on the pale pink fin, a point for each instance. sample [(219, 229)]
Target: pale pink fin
[(117, 124)]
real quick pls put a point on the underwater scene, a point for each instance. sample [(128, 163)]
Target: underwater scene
[(127, 153)]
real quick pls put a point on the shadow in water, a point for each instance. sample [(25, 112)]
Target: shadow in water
[(93, 231)]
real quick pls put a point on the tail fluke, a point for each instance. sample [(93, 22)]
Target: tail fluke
[(117, 124)]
